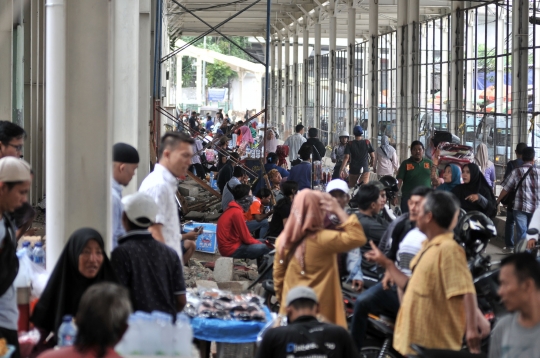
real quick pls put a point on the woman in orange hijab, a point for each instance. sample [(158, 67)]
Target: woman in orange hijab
[(306, 252)]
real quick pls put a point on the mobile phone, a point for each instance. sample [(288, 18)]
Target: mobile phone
[(200, 229)]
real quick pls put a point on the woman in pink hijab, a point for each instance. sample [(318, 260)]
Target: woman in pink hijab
[(306, 252), (246, 135)]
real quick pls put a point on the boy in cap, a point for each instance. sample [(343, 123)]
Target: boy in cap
[(15, 179), (151, 270), (125, 162), (305, 336)]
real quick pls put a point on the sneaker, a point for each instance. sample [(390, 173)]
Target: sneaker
[(508, 250)]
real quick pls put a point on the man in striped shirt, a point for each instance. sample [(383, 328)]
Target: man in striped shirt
[(527, 195)]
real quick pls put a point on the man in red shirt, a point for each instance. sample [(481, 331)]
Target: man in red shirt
[(233, 236)]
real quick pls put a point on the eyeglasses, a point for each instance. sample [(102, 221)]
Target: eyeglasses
[(18, 148)]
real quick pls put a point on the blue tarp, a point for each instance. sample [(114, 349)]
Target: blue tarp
[(228, 331), (490, 79)]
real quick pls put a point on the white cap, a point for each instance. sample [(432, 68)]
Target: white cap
[(14, 170), (140, 209), (337, 184)]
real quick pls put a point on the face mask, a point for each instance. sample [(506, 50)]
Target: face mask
[(245, 202)]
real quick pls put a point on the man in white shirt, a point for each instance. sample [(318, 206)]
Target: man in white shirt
[(175, 154), (295, 142)]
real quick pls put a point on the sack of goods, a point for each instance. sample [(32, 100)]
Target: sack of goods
[(452, 153)]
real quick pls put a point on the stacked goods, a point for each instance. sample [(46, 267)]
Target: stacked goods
[(452, 153), (225, 306)]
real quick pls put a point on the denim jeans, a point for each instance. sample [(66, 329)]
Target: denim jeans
[(254, 225), (251, 252), (509, 229), (523, 219), (375, 300)]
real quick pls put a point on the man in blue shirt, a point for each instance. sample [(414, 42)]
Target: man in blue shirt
[(125, 162), (209, 123), (271, 160), (301, 173)]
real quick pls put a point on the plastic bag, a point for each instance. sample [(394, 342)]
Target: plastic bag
[(27, 342), (31, 275)]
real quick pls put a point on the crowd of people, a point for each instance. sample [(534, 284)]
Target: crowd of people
[(427, 286)]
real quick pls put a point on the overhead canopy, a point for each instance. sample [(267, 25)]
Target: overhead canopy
[(284, 13)]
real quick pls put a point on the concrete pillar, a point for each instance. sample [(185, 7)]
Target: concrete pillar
[(79, 123), (280, 82), (305, 58), (6, 58), (295, 78), (351, 63), (500, 87), (445, 51), (413, 17), (178, 91), (332, 122), (402, 76), (199, 84), (145, 85), (317, 50), (520, 37), (125, 75), (287, 83), (373, 82), (270, 99), (457, 28), (471, 43)]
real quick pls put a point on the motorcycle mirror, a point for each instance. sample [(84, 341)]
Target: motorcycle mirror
[(532, 231)]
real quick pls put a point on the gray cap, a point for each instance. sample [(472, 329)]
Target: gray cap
[(301, 292)]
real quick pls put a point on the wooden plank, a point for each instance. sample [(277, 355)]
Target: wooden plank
[(204, 185)]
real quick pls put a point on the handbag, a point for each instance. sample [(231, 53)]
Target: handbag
[(510, 197)]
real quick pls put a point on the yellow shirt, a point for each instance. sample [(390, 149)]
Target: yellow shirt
[(321, 270), (432, 312)]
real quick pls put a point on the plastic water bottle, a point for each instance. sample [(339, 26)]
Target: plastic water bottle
[(183, 336), (165, 329), (212, 179), (67, 332), (39, 254), (25, 250)]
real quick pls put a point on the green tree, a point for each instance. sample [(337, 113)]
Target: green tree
[(219, 74)]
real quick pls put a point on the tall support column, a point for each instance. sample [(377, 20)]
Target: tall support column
[(457, 28), (305, 58), (273, 96), (270, 107), (288, 104), (296, 93), (317, 69), (199, 84), (520, 37), (373, 82), (6, 59), (351, 63), (241, 75), (144, 95), (413, 55), (79, 121), (402, 76), (178, 91), (500, 87), (280, 83), (332, 122), (125, 75)]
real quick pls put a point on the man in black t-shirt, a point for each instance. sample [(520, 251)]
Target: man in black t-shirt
[(359, 153), (318, 148), (193, 123), (305, 336), (282, 210)]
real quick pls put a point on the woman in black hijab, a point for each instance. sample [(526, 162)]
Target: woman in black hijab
[(82, 264), (475, 193)]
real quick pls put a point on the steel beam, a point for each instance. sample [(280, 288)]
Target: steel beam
[(520, 37), (373, 82), (457, 27), (351, 63)]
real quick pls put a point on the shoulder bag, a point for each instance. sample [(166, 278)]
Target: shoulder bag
[(510, 197)]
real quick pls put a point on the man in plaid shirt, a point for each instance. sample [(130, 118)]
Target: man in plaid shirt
[(527, 196)]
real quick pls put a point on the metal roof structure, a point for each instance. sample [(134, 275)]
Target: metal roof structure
[(284, 13)]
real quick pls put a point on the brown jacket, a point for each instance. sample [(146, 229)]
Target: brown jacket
[(321, 270)]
